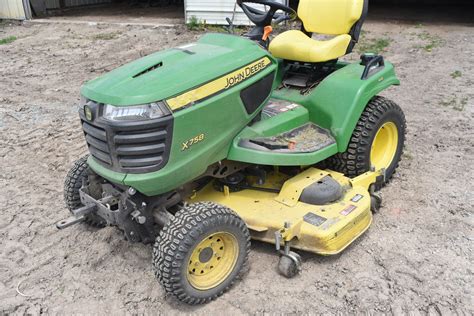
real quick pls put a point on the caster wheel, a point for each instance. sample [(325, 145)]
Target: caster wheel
[(289, 265), (375, 203)]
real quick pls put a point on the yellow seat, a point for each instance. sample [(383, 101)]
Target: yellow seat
[(331, 17), (297, 46)]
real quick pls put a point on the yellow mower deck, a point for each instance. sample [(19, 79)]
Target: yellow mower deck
[(321, 229)]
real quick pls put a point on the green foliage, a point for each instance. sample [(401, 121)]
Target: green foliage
[(373, 45), (456, 74), (433, 41), (216, 29), (7, 40), (195, 24)]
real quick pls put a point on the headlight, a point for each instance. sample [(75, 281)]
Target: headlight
[(136, 112)]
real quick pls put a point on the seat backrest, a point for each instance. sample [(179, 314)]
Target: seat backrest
[(333, 17)]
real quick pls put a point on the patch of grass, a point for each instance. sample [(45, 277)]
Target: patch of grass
[(8, 40), (195, 24), (433, 41), (106, 36), (419, 26), (429, 47), (455, 103), (456, 74), (462, 104), (216, 29), (374, 45)]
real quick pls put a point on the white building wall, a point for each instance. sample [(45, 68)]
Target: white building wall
[(12, 9), (215, 11)]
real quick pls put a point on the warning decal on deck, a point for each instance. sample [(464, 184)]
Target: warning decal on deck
[(348, 210), (314, 219), (357, 198)]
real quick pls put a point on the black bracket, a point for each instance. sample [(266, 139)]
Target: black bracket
[(230, 27), (372, 63)]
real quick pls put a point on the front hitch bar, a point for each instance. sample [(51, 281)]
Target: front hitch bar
[(79, 215)]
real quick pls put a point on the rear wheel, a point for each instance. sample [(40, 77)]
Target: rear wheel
[(377, 140), (72, 185), (200, 252)]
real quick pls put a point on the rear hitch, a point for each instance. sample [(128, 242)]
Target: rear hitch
[(78, 216)]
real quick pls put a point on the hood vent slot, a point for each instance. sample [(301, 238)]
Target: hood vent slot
[(149, 69)]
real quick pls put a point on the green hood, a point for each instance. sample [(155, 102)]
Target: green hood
[(167, 73)]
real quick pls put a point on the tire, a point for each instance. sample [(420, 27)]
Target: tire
[(289, 265), (200, 252), (381, 115), (72, 184)]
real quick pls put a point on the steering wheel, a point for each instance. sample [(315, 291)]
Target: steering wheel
[(262, 18)]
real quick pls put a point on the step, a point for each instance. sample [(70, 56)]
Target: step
[(283, 137), (304, 139)]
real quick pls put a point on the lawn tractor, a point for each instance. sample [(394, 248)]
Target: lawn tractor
[(200, 148)]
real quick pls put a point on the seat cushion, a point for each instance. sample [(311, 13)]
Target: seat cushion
[(297, 46)]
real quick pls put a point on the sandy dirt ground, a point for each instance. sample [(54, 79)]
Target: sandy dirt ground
[(416, 258)]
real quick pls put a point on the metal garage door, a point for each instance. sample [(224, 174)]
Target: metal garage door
[(12, 9), (215, 11)]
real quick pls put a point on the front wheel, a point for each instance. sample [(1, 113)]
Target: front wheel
[(200, 252), (377, 140)]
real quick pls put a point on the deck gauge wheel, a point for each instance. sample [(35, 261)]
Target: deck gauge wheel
[(289, 264)]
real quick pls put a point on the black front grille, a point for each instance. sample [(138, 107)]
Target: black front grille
[(131, 147), (141, 149), (96, 139)]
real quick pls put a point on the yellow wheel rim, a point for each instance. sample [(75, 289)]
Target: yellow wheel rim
[(212, 260), (384, 146)]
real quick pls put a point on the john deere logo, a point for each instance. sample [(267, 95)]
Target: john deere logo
[(88, 113), (218, 85), (245, 73)]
